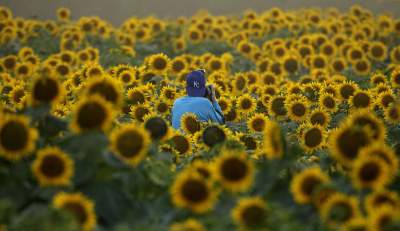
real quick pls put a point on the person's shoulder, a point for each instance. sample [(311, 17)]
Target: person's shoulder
[(180, 99), (203, 101)]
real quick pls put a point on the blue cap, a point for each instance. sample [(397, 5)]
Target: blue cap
[(196, 83)]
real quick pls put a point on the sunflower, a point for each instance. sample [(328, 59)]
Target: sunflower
[(370, 172), (78, 205), (385, 99), (192, 191), (201, 167), (347, 89), (395, 78), (297, 109), (395, 55), (17, 139), (290, 64), (45, 89), (232, 115), (273, 143), (187, 225), (130, 143), (363, 118), (319, 117), (377, 51), (250, 213), (107, 87), (233, 170), (127, 77), (277, 107), (362, 67), (23, 70), (136, 96), (378, 198), (194, 35), (339, 210), (168, 94), (384, 152), (384, 218), (92, 113), (319, 61), (239, 83), (392, 114), (178, 65), (338, 65), (257, 122), (225, 103), (313, 138), (158, 63), (354, 53), (328, 102), (213, 135), (139, 111), (156, 126), (361, 99), (190, 123), (53, 167), (246, 104), (9, 63), (305, 184), (181, 144), (162, 108), (356, 224), (346, 141)]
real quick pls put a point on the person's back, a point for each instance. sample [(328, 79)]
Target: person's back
[(200, 106), (198, 101)]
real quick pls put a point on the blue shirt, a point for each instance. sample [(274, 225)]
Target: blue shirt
[(200, 106)]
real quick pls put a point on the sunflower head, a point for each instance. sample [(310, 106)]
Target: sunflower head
[(45, 89), (250, 213), (190, 124), (156, 126), (339, 209), (273, 143), (370, 172), (257, 122), (106, 87), (213, 135), (159, 63)]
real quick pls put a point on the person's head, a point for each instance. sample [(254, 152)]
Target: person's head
[(196, 83)]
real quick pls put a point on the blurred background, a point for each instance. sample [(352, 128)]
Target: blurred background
[(116, 11)]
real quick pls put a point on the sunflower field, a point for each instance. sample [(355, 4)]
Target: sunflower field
[(311, 139)]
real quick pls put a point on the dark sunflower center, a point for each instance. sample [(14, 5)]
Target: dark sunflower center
[(253, 215), (14, 136), (309, 184), (346, 91), (318, 118), (246, 104), (192, 125), (350, 141), (234, 169), (62, 69), (361, 66), (249, 142), (340, 212), (195, 191), (52, 166), (91, 116), (369, 172), (157, 127), (77, 210), (129, 144), (162, 107), (213, 135), (178, 66), (377, 51), (160, 63), (258, 124), (106, 90), (298, 109), (181, 144), (136, 97), (329, 102), (45, 90), (313, 137), (291, 65), (278, 106), (140, 112)]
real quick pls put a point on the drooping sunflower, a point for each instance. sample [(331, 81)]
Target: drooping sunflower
[(130, 143), (257, 122), (378, 198), (192, 191), (346, 141), (233, 170), (187, 225), (370, 172), (92, 113), (17, 139), (190, 123), (306, 183), (339, 210), (156, 126), (313, 138), (107, 87), (81, 207), (273, 144), (158, 63), (250, 213), (45, 89), (53, 167)]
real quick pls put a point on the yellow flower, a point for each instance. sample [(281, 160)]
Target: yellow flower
[(53, 167), (370, 172), (188, 225), (250, 213), (190, 124), (272, 142), (339, 210), (257, 123)]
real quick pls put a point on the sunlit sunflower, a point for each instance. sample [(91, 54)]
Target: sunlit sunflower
[(364, 118), (313, 138), (297, 109), (319, 61), (190, 123), (79, 206), (156, 126), (162, 108), (17, 139), (178, 65), (395, 78), (346, 141), (250, 213), (370, 172), (319, 117), (392, 114), (377, 51), (136, 96), (339, 210), (246, 104), (130, 143), (384, 152), (385, 99), (168, 94), (92, 113), (187, 225), (305, 183), (277, 107), (107, 87), (139, 111), (53, 167), (45, 89), (273, 143), (159, 63), (192, 191), (233, 170), (328, 102), (23, 70), (347, 89), (257, 122), (362, 67), (378, 198), (338, 65)]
